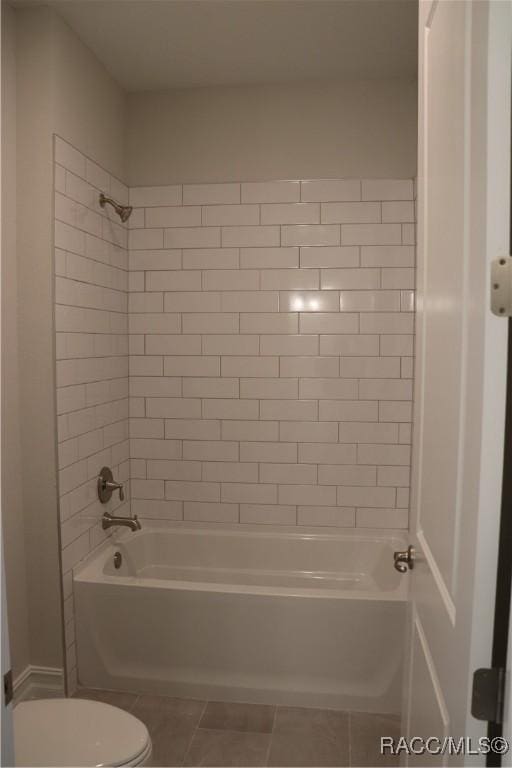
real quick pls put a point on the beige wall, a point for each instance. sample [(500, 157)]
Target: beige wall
[(36, 97), (12, 507), (331, 130), (90, 108), (61, 88)]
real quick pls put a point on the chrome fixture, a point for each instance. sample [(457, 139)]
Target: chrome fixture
[(107, 486), (123, 211), (404, 560), (118, 559), (108, 520)]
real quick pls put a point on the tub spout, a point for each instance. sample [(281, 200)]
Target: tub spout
[(108, 520)]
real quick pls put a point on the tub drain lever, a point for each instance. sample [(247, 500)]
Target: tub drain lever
[(404, 560)]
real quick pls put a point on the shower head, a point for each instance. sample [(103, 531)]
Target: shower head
[(123, 211)]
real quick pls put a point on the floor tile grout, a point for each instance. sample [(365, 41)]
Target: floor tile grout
[(189, 745), (196, 728), (271, 735), (202, 714), (360, 734)]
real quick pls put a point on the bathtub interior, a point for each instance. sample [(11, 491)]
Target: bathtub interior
[(287, 560)]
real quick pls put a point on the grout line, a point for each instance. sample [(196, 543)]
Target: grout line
[(202, 713), (194, 732), (271, 739), (92, 259), (93, 309)]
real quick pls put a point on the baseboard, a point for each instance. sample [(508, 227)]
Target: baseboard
[(37, 682)]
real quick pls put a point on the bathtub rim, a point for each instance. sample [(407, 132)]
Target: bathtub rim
[(90, 570)]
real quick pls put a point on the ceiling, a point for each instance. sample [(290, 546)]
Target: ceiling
[(160, 44)]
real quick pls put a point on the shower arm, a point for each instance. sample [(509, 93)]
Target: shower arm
[(123, 211)]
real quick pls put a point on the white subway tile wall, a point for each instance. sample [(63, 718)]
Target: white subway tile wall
[(91, 324), (271, 352), (238, 353)]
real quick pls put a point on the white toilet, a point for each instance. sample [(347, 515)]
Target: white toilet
[(78, 732)]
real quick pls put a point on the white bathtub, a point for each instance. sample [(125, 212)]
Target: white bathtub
[(290, 617)]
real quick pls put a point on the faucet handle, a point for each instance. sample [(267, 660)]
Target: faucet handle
[(107, 485), (116, 487)]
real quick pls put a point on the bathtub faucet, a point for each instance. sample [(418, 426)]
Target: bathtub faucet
[(108, 520)]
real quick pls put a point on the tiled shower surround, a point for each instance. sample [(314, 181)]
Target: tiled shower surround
[(270, 336), (271, 342), (91, 321)]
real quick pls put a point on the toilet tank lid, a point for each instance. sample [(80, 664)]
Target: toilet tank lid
[(77, 732)]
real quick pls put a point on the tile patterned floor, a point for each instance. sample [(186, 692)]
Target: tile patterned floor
[(186, 732)]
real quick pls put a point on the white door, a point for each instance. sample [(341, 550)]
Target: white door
[(463, 218)]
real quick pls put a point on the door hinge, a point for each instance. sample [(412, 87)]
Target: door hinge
[(501, 286), (488, 694), (8, 687)]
